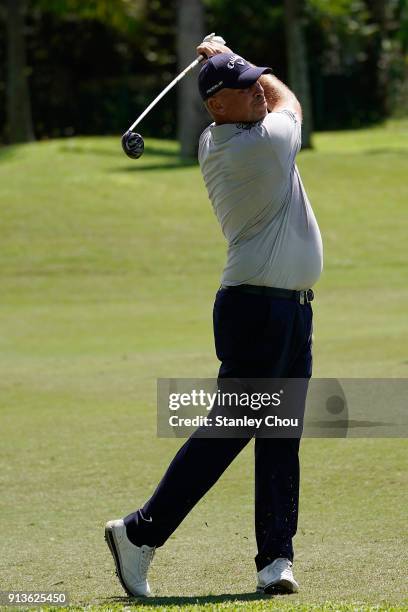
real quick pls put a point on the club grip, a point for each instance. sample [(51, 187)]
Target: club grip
[(215, 38), (211, 38)]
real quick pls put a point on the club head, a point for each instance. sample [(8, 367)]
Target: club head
[(132, 144)]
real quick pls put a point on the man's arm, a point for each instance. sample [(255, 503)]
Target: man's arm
[(278, 96)]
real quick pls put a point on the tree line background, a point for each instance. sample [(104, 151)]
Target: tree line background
[(90, 67)]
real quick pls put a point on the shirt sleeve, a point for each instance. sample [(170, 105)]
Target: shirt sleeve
[(283, 130), (203, 144)]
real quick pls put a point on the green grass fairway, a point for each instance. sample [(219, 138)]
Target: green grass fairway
[(109, 269)]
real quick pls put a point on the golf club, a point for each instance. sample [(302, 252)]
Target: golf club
[(132, 142)]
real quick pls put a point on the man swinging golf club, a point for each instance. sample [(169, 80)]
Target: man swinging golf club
[(262, 312)]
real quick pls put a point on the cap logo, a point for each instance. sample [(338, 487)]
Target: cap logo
[(216, 86), (235, 59)]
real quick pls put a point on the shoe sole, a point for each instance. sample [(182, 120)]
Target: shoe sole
[(283, 587), (110, 540)]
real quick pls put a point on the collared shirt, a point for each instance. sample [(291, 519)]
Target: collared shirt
[(260, 202)]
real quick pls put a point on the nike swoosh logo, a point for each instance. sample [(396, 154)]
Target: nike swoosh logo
[(149, 520)]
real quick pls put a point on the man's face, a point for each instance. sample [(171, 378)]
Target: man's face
[(239, 105)]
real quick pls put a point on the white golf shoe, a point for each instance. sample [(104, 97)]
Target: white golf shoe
[(277, 577), (132, 562)]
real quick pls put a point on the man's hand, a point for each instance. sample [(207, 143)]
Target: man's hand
[(210, 48)]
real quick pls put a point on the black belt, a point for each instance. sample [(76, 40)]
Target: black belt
[(303, 297)]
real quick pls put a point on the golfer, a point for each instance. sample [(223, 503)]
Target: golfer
[(262, 312)]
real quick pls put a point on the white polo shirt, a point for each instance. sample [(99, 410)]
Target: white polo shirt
[(260, 202)]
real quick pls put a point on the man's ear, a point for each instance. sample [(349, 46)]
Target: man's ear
[(215, 106)]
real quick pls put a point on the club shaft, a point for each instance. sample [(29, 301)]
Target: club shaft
[(166, 89)]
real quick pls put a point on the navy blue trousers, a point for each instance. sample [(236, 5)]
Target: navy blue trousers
[(256, 336)]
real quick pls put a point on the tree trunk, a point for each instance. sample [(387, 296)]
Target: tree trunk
[(298, 65), (19, 124), (381, 15), (192, 117)]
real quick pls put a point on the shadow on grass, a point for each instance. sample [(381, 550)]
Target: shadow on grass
[(173, 161), (89, 150), (387, 150), (7, 152), (191, 600), (152, 150), (141, 167), (83, 149)]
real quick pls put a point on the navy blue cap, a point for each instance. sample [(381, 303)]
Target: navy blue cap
[(227, 70)]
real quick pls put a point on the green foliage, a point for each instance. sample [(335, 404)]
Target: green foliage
[(346, 29), (253, 28), (336, 8), (115, 13)]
